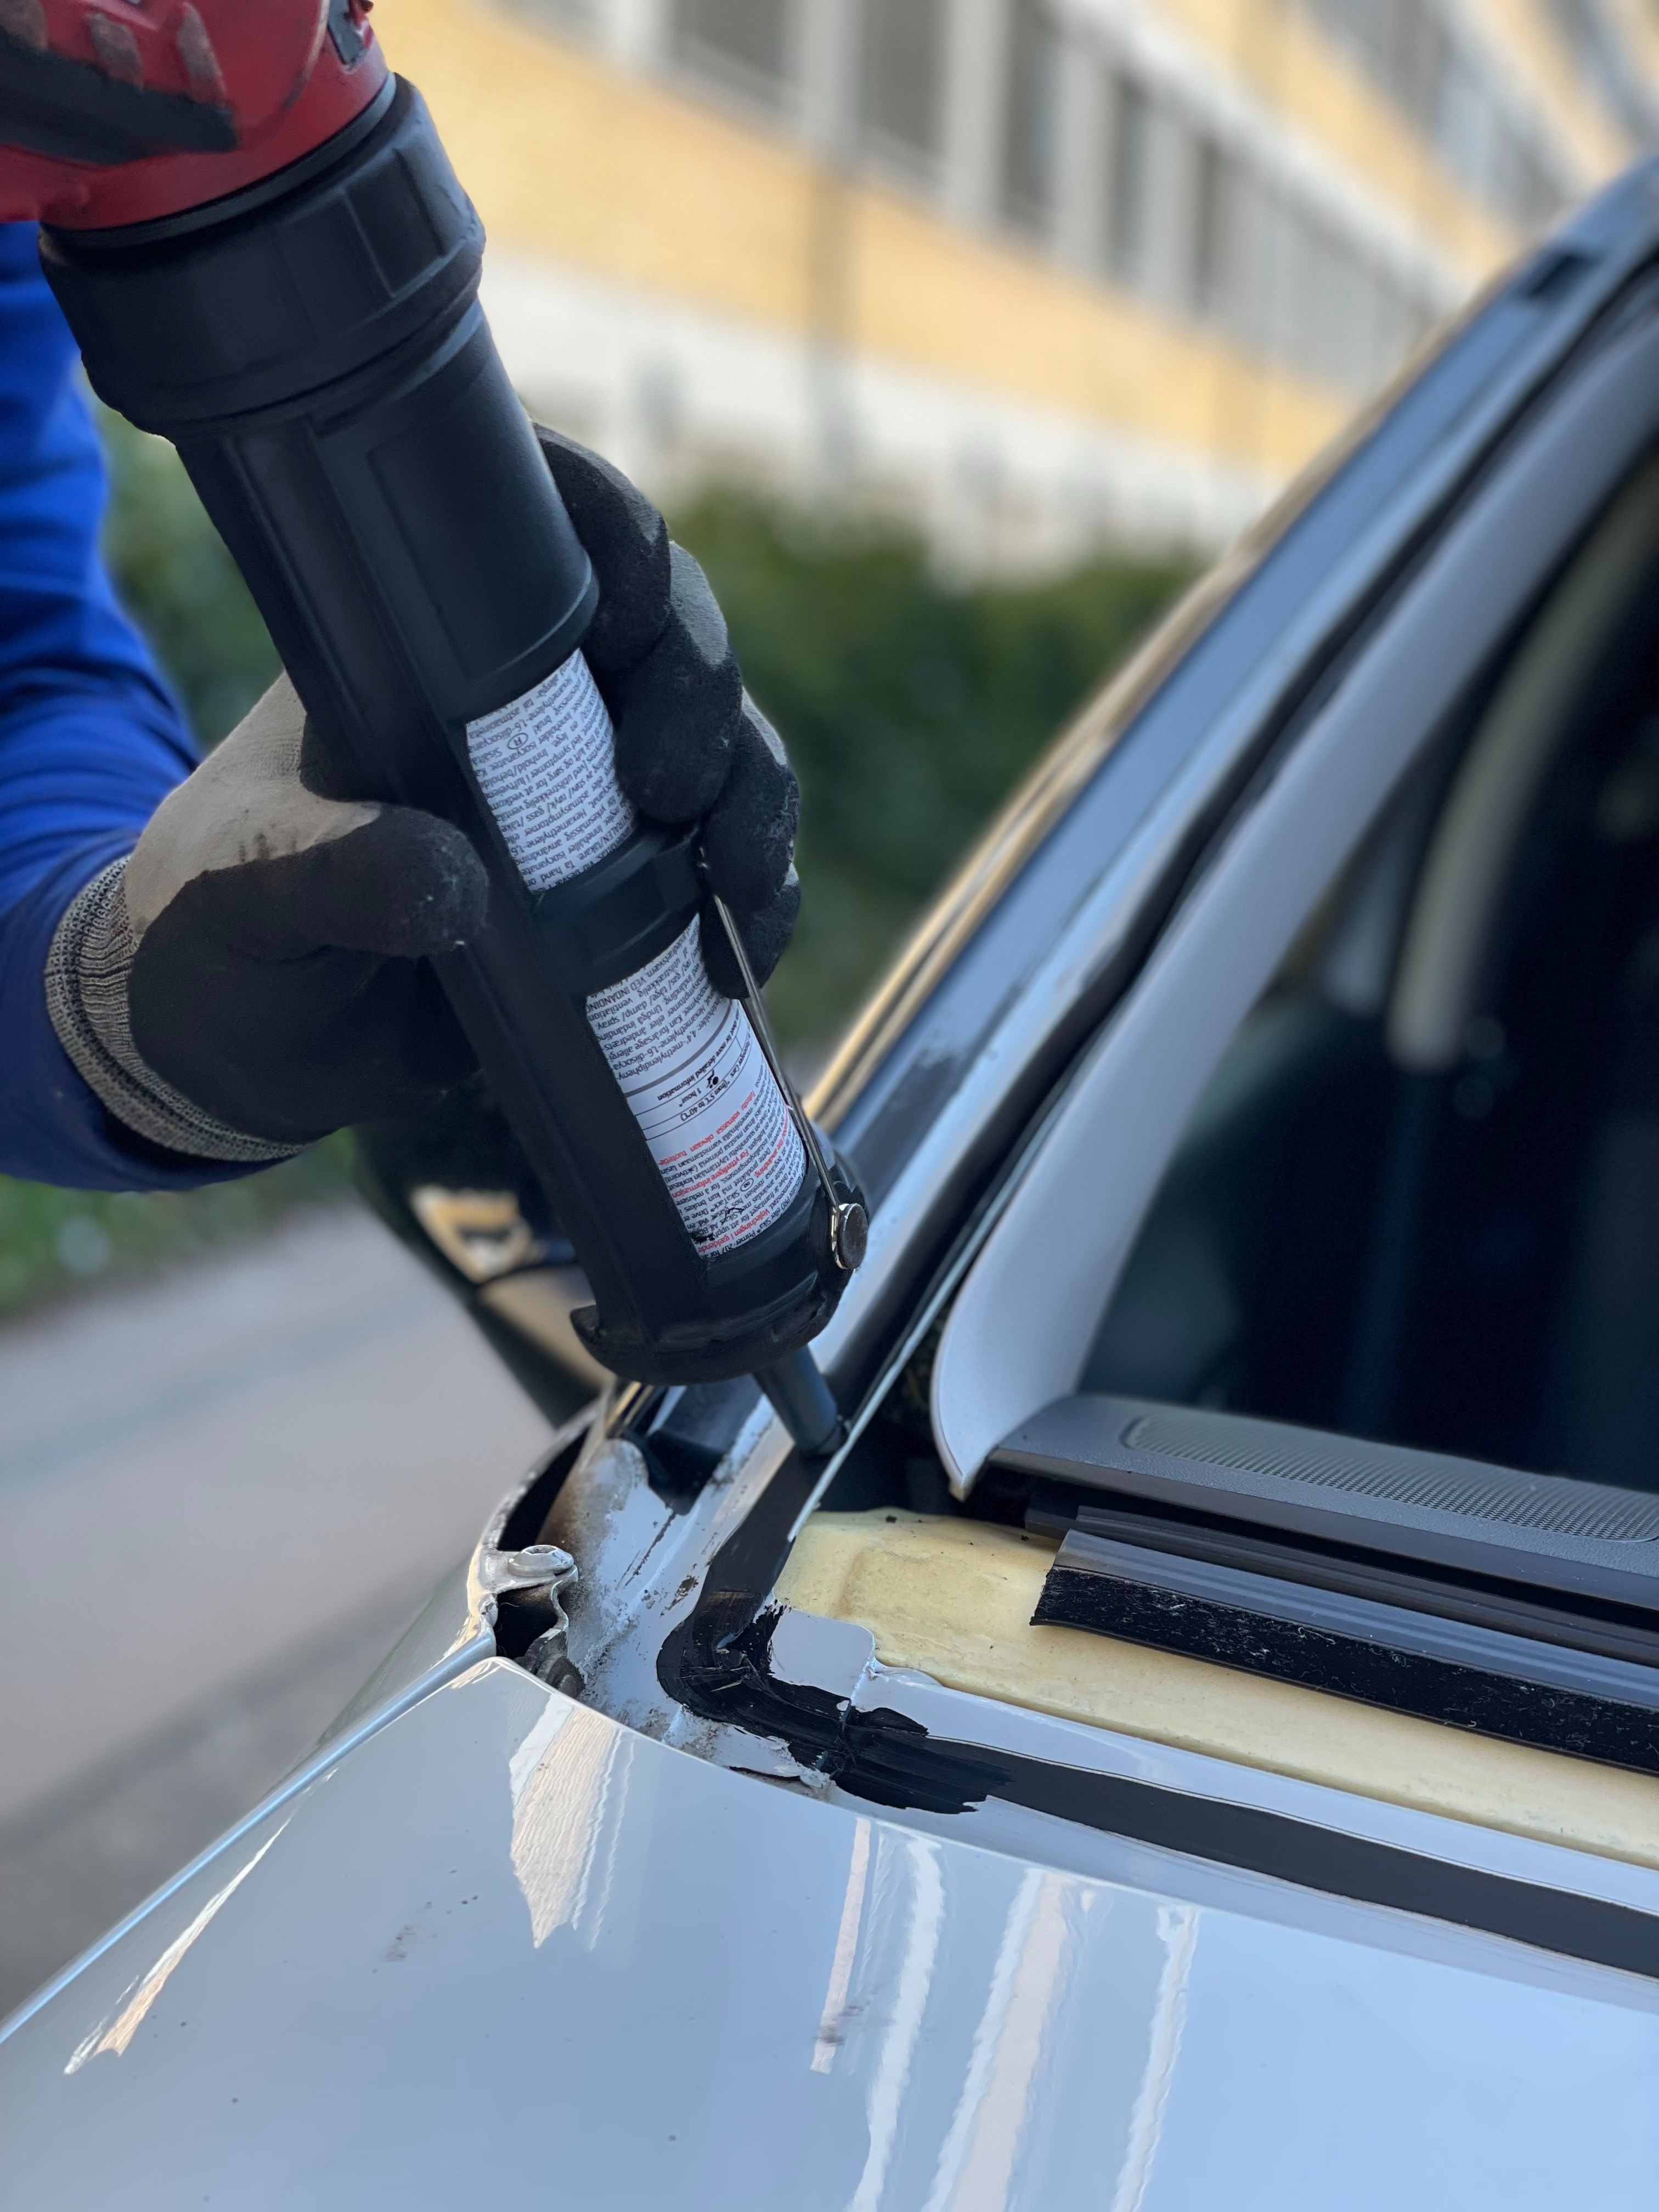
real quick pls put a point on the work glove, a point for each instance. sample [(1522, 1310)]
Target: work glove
[(255, 974)]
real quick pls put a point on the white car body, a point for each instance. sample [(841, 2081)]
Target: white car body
[(755, 1918)]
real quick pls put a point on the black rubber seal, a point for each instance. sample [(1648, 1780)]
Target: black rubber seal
[(1374, 1673)]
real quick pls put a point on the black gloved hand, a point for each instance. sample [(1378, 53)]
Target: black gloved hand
[(691, 743), (256, 974)]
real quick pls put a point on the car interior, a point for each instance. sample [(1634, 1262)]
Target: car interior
[(1413, 1224), (1419, 1200)]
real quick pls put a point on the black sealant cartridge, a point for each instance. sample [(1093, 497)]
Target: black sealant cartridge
[(688, 1062)]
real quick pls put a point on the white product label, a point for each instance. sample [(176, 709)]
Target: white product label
[(547, 766), (689, 1064), (692, 1069)]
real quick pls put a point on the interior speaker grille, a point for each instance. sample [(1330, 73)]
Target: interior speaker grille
[(1565, 1507)]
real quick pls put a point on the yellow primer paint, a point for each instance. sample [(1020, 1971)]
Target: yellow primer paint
[(954, 1599), (570, 159)]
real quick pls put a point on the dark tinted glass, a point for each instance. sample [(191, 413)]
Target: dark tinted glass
[(1128, 209), (751, 40), (1216, 188), (901, 71), (1031, 117)]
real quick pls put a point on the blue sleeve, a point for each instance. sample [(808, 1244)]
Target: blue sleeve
[(91, 740)]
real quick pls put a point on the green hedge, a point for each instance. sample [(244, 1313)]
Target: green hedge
[(54, 1241), (909, 706)]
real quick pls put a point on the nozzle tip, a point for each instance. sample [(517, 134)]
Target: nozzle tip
[(801, 1398)]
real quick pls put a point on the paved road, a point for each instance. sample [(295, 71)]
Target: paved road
[(221, 1495)]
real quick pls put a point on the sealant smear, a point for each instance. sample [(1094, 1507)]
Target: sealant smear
[(688, 1062)]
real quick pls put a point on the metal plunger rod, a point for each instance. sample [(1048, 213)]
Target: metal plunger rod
[(800, 1396)]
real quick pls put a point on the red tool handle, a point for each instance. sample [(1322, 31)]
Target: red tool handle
[(117, 112)]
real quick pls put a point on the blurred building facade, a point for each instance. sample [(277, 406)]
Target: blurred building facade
[(1034, 273)]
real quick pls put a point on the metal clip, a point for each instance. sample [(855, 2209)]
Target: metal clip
[(849, 1224), (536, 1566)]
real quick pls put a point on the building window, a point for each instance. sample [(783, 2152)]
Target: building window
[(747, 43), (1243, 306), (902, 77), (1216, 187), (1599, 52), (1420, 60), (1031, 117), (576, 15), (1129, 182), (1416, 54)]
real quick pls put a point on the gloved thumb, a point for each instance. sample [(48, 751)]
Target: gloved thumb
[(276, 867), (400, 885), (253, 975)]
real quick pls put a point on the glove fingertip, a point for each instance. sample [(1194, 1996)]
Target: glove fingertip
[(678, 712), (749, 838), (765, 936), (625, 539), (456, 895), (678, 782), (408, 885)]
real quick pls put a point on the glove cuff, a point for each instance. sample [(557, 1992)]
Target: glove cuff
[(88, 970)]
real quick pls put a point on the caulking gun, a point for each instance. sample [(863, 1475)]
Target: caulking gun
[(266, 257)]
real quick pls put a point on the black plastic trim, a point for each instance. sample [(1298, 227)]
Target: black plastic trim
[(614, 917), (1086, 1441), (684, 1435), (1508, 1609), (1353, 1648)]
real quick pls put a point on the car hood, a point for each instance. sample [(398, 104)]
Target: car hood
[(505, 1943)]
